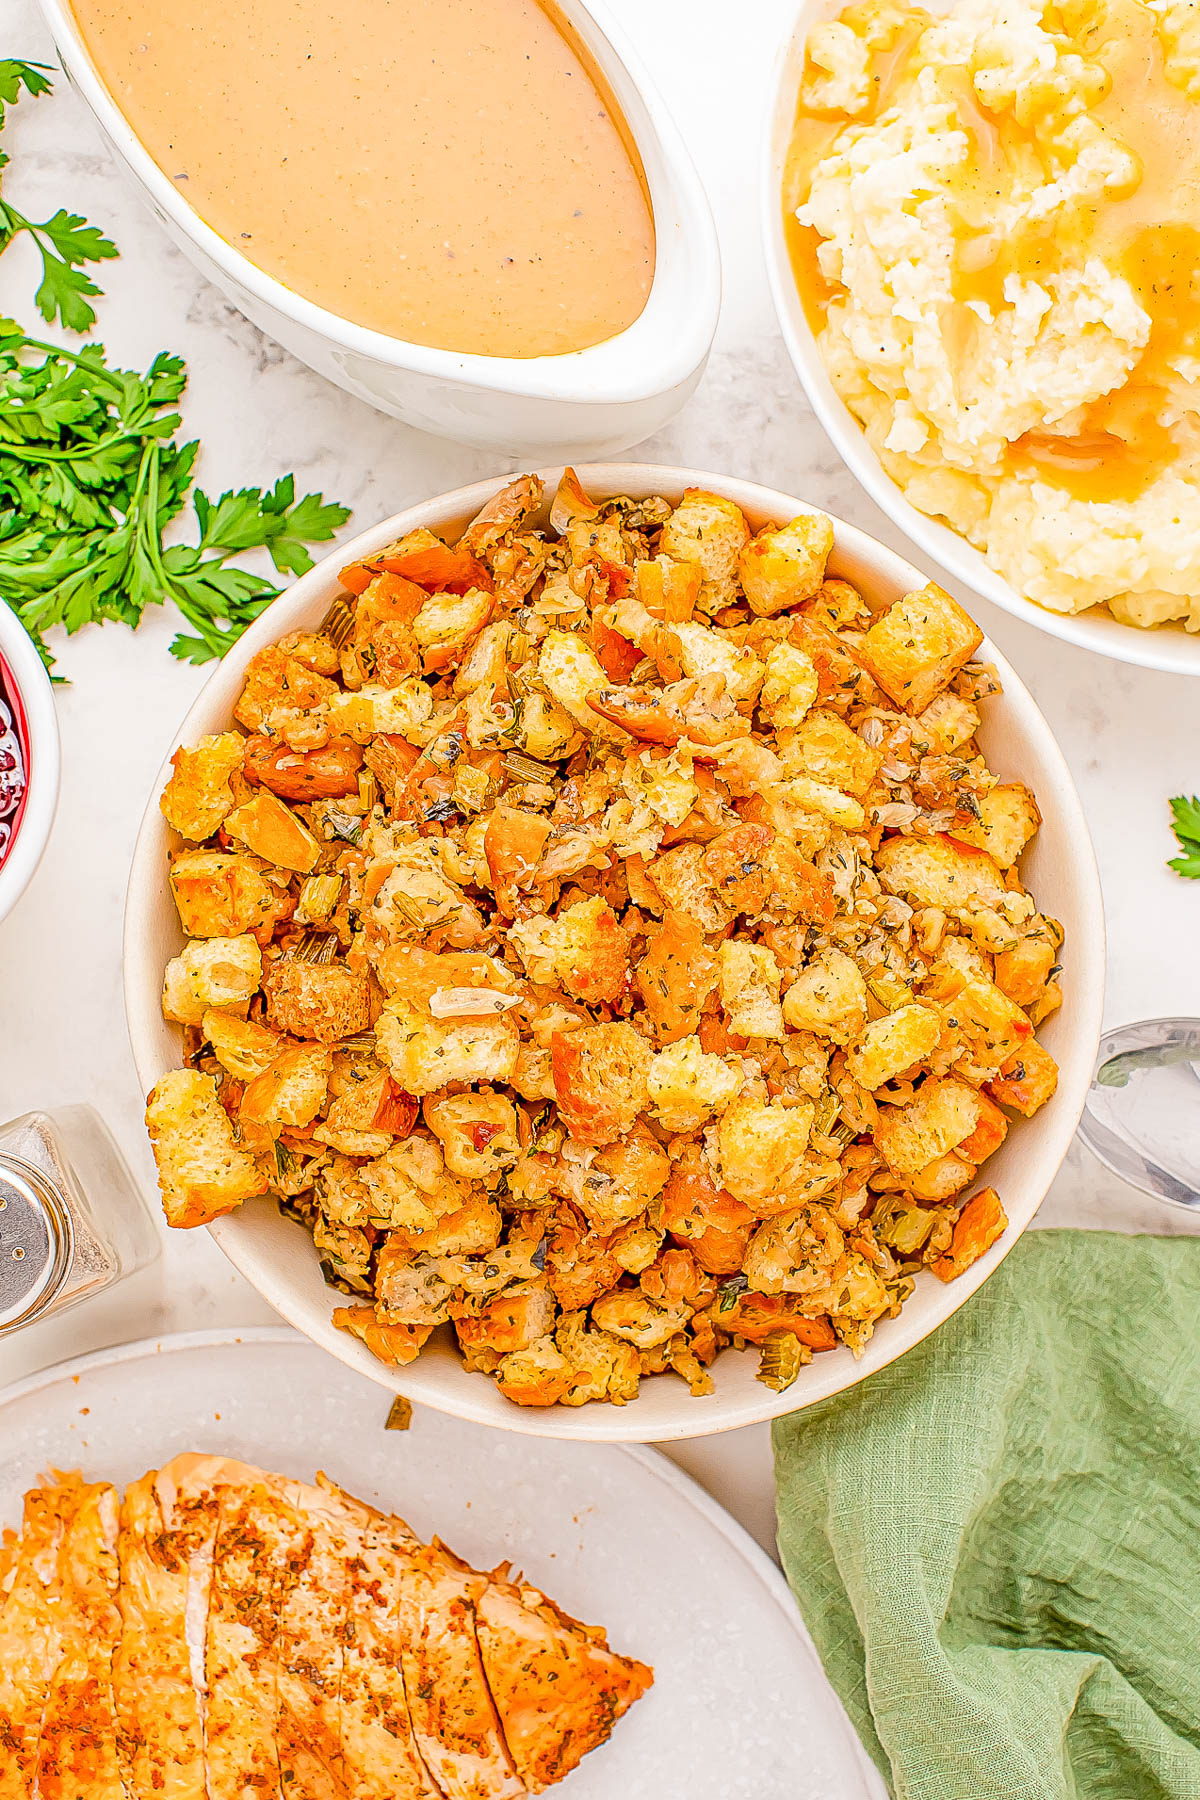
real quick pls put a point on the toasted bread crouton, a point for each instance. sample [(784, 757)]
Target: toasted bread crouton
[(664, 783), (750, 978), (424, 1054), (242, 1046), (1022, 973), (783, 565), (395, 711), (477, 1132), (418, 974), (218, 972), (603, 1367), (537, 1376), (1027, 1081), (601, 1080), (447, 622), (681, 878), (409, 1188), (688, 1087), (202, 1169), (760, 1148), (472, 1229), (888, 1046), (218, 895), (708, 530), (622, 1180), (981, 1221), (919, 645), (198, 795), (992, 1026), (569, 670), (988, 1135), (545, 729), (583, 951), (946, 724), (944, 1177), (936, 871), (392, 1343), (325, 1001), (1008, 818), (703, 651), (367, 1112), (291, 1091), (272, 830), (512, 1321), (828, 996), (276, 680), (790, 685), (943, 1114), (675, 976), (826, 750)]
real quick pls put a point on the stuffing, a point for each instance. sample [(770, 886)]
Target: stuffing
[(828, 996), (919, 645), (220, 972), (424, 1053), (583, 951), (609, 942), (202, 1169), (316, 1000), (688, 1087), (750, 979), (783, 565), (218, 895), (601, 1080), (198, 796)]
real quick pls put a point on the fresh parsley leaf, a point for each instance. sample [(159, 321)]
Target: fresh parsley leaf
[(15, 75), (1185, 823), (65, 243)]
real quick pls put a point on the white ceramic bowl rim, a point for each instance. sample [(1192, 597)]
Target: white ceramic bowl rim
[(1166, 647), (672, 1412), (36, 697), (674, 329)]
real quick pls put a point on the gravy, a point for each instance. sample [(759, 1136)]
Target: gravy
[(448, 172)]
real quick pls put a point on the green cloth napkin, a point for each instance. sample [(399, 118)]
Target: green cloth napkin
[(995, 1542)]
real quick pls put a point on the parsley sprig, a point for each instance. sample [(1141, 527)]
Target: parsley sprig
[(1185, 823), (92, 476), (66, 241)]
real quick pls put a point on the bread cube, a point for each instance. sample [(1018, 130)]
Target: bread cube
[(981, 1221), (688, 1087), (545, 730), (202, 1169), (390, 1342), (601, 1080), (583, 951), (291, 1091), (711, 531), (937, 872), (760, 1149), (1027, 1081), (828, 996), (408, 1188), (826, 749), (750, 979), (241, 1046), (447, 622), (783, 565), (703, 651), (271, 830), (198, 795), (790, 685), (944, 1177), (477, 1132), (568, 669), (947, 723), (919, 645), (324, 1001), (218, 972), (397, 711), (1022, 973), (423, 1054), (217, 895), (681, 877), (989, 1023), (892, 1044), (1008, 818), (943, 1114)]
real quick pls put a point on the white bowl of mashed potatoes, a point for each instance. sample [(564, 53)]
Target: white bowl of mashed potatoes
[(982, 235)]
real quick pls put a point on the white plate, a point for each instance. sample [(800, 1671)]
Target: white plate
[(740, 1708)]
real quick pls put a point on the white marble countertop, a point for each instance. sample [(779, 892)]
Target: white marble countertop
[(1129, 735)]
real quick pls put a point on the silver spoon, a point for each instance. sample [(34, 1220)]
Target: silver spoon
[(1142, 1114)]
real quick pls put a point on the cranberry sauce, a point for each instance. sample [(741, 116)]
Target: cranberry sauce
[(13, 778)]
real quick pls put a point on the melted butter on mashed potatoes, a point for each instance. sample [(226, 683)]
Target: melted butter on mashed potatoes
[(995, 223)]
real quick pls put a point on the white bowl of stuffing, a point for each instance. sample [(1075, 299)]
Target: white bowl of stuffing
[(991, 313), (604, 922)]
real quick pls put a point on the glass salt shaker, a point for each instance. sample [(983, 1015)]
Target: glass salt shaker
[(72, 1221)]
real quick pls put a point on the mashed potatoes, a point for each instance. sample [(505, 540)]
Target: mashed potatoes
[(997, 237)]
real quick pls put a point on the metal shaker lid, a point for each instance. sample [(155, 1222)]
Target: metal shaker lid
[(35, 1242)]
